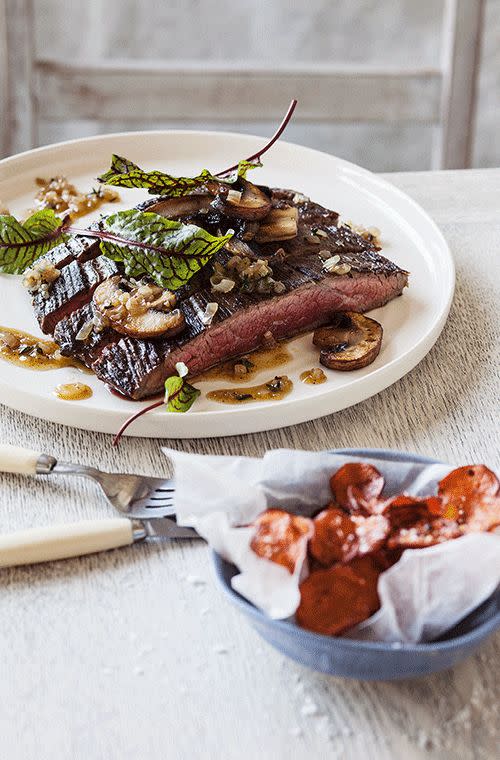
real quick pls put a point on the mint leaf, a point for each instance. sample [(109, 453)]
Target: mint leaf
[(179, 394), (124, 173), (167, 251), (21, 243)]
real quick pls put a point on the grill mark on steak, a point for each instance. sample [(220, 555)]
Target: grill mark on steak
[(80, 248), (68, 328), (72, 289)]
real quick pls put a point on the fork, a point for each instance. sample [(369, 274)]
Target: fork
[(141, 499)]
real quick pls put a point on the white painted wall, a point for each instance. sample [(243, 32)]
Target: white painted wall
[(381, 31)]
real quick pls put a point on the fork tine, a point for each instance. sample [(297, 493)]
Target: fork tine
[(155, 504), (145, 512)]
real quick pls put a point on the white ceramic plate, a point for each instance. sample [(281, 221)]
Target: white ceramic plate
[(410, 238)]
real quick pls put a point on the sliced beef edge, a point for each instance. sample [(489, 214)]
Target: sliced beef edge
[(73, 289), (138, 369)]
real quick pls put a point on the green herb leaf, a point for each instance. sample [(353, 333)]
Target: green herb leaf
[(179, 394), (21, 243), (241, 171), (124, 173), (167, 251)]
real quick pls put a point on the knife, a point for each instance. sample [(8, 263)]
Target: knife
[(75, 539)]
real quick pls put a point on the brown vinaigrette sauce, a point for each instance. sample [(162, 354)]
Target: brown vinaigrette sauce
[(25, 350), (313, 376), (272, 390), (248, 365), (73, 391)]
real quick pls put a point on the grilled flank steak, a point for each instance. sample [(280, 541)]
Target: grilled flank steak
[(308, 285)]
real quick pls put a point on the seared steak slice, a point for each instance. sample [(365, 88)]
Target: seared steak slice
[(72, 289), (138, 368), (67, 331), (337, 240), (75, 248), (80, 248), (309, 212)]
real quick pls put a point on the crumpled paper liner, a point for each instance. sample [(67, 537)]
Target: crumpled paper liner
[(423, 595)]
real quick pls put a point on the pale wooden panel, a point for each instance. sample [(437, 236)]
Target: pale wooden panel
[(17, 117), (4, 88), (462, 33), (161, 91)]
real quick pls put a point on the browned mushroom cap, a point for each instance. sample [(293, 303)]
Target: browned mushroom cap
[(245, 202), (188, 205), (279, 224), (145, 311), (352, 341)]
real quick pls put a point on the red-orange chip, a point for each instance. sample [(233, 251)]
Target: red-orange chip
[(462, 487), (356, 487), (424, 533), (403, 511), (333, 600), (371, 532), (435, 505), (334, 538), (281, 537), (484, 515), (369, 569)]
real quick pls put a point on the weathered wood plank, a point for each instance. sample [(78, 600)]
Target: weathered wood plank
[(18, 123), (4, 88), (462, 33), (135, 90)]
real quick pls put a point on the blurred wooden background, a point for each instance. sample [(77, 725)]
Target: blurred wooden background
[(242, 62)]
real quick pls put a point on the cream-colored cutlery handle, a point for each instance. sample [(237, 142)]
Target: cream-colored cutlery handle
[(17, 459), (67, 540)]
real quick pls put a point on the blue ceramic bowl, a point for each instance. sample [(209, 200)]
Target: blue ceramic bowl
[(367, 660)]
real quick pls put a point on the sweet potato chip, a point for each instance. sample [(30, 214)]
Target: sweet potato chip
[(369, 570), (424, 533), (356, 487), (334, 538), (403, 511), (465, 486), (281, 537), (333, 600), (435, 505), (371, 532)]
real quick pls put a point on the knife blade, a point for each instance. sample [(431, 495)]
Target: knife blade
[(162, 527)]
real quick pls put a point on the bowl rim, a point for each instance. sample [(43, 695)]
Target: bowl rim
[(477, 633)]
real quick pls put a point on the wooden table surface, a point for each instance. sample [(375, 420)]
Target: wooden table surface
[(135, 654)]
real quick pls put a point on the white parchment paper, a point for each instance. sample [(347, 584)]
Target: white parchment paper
[(427, 592)]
